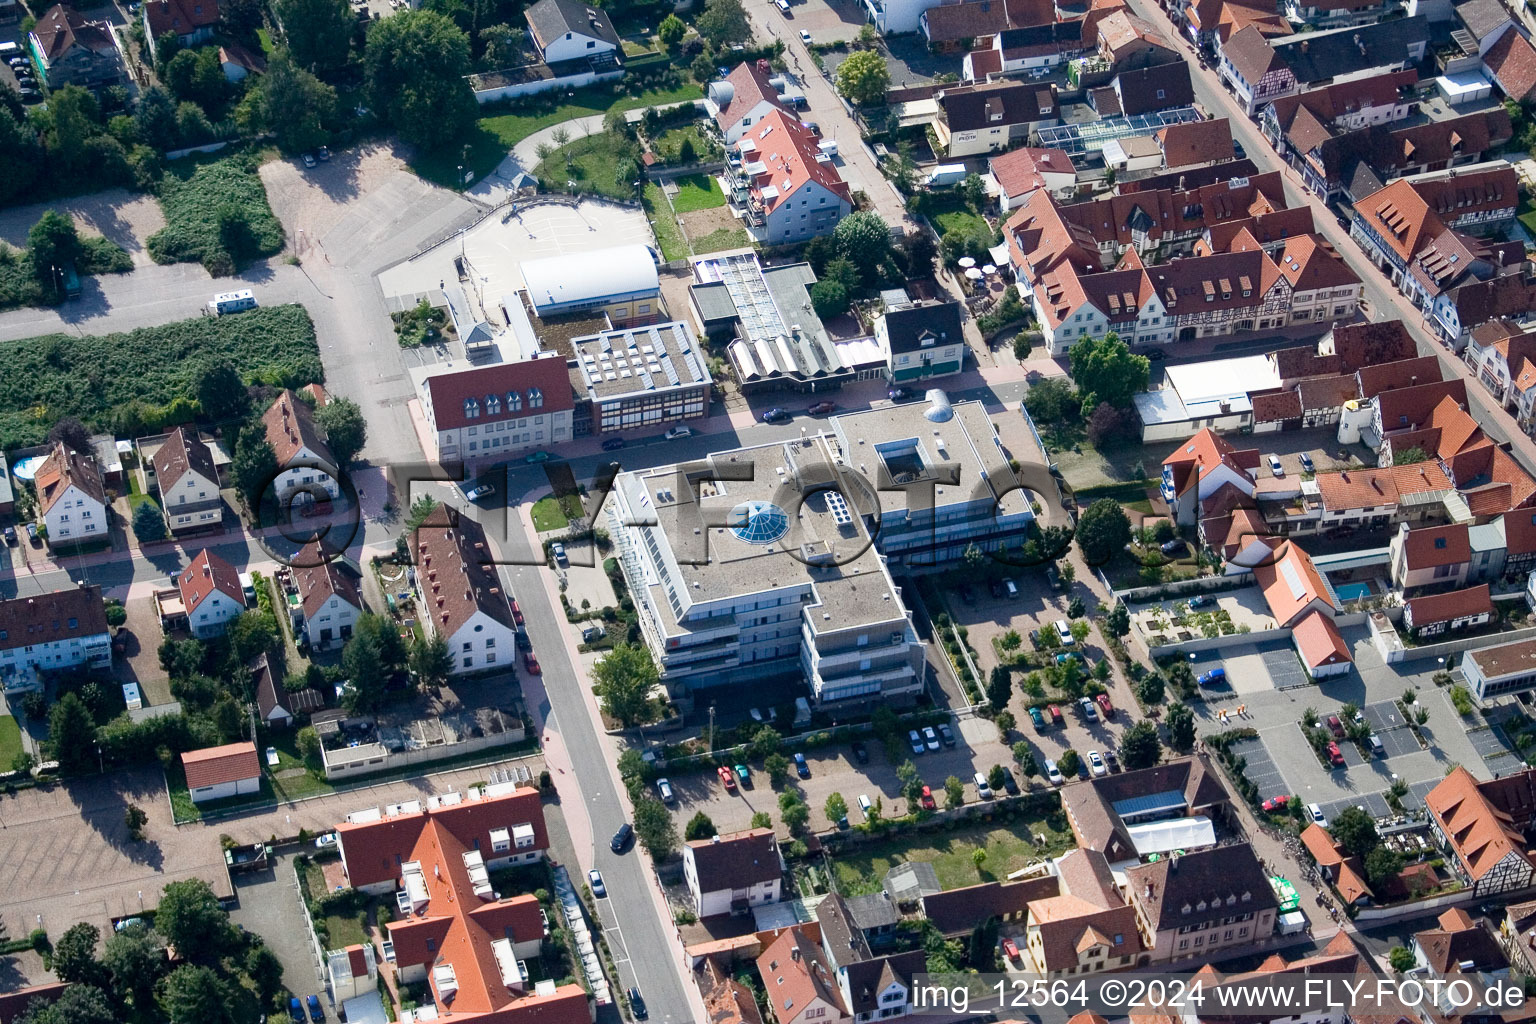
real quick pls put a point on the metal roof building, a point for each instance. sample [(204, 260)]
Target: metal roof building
[(567, 284)]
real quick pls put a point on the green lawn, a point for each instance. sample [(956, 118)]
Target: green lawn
[(725, 238), (698, 192), (861, 869), (592, 163), (1527, 215), (345, 931), (10, 741), (265, 39), (664, 224), (961, 220), (547, 515), (493, 136), (669, 145)]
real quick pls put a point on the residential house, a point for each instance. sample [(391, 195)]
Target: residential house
[(921, 341), (1483, 826), (307, 471), (799, 982), (188, 483), (211, 594), (743, 98), (1301, 600), (1151, 89), (51, 632), (72, 51), (1337, 865), (71, 499), (992, 116), (453, 931), (732, 873), (1321, 648), (1458, 948), (1086, 929), (330, 600), (1338, 959), (783, 191), (1200, 468), (460, 594), (1486, 21), (1127, 41), (564, 30), (499, 410), (1323, 287), (1517, 933), (875, 916), (1033, 51), (240, 62), (1295, 125), (1456, 609), (1209, 23), (1257, 75), (1511, 63), (1261, 70), (1497, 352), (1021, 171), (881, 987), (1327, 14), (1494, 671), (1195, 143), (1345, 349), (503, 823), (191, 21), (275, 703), (1431, 417), (1362, 499), (1430, 556), (947, 26), (1511, 291), (1195, 904), (726, 1000), (956, 912), (220, 773)]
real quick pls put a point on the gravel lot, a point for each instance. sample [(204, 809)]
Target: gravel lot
[(127, 218), (315, 200)]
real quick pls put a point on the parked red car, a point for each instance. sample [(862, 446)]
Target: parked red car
[(1276, 803), (728, 777), (1010, 949), (517, 613), (927, 799), (1105, 706), (1335, 755), (1055, 715), (531, 664)]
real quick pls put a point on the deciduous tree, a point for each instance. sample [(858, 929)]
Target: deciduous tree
[(1106, 371), (415, 65), (1103, 530), (1355, 830), (1140, 747), (724, 22), (624, 679), (700, 827), (863, 78), (655, 829), (1181, 728), (290, 102), (318, 33), (74, 956), (345, 429), (192, 920)]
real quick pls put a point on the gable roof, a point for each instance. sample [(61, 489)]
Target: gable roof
[(1310, 262), (213, 766), (455, 572), (321, 576), (270, 697), (1512, 62), (52, 617), (1318, 641), (551, 19), (737, 860), (908, 326), (1200, 888), (990, 104), (1196, 142), (62, 28), (1431, 546), (1091, 806), (63, 469), (1338, 52), (1484, 821), (1460, 941), (180, 16), (1251, 55), (788, 151), (205, 575), (749, 87), (449, 392), (726, 1000), (1455, 604), (369, 846), (1357, 488), (866, 979), (1290, 582), (183, 452), (795, 974), (1020, 170), (1322, 846), (1159, 87), (1400, 373), (1365, 344), (291, 428), (955, 911), (1089, 912)]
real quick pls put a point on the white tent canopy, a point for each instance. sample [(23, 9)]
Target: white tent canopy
[(1174, 834)]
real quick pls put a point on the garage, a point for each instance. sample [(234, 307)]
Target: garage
[(218, 773)]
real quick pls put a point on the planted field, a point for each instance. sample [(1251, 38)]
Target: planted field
[(697, 192), (141, 380)]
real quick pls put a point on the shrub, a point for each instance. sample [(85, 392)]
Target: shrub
[(216, 214)]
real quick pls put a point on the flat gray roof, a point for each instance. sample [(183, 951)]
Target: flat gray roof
[(639, 360)]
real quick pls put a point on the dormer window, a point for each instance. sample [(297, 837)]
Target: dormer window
[(1186, 908), (1246, 897), (492, 405), (471, 408), (514, 401), (535, 398)]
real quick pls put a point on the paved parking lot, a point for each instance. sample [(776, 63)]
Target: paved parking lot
[(1262, 770), (1284, 668), (270, 906)]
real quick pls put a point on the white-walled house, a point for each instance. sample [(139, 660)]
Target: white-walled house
[(304, 458), (730, 874), (49, 632), (498, 410), (570, 30), (188, 483), (211, 593), (330, 601), (71, 498), (460, 594), (742, 99)]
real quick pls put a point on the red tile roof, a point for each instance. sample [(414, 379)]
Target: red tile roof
[(62, 28), (456, 573), (291, 427), (547, 374), (1207, 450), (1426, 611), (1290, 582), (213, 766), (61, 615), (1366, 344), (1021, 170), (180, 16), (1319, 642), (749, 87), (1321, 845), (206, 574), (1483, 821), (795, 973), (65, 467), (1310, 262), (1196, 142), (1276, 405), (369, 848), (183, 451), (1400, 373), (1369, 488), (1432, 546), (1513, 62), (788, 150)]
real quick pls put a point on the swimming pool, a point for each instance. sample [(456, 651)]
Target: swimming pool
[(1352, 591)]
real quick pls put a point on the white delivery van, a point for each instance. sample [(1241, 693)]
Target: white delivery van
[(233, 302)]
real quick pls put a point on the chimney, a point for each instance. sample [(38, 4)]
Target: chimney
[(794, 954)]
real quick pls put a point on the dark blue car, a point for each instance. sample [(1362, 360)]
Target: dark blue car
[(296, 1010), (1214, 677), (316, 1014)]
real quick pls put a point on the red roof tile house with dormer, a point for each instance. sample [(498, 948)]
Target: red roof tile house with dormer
[(460, 595), (1202, 466), (782, 185), (192, 21)]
